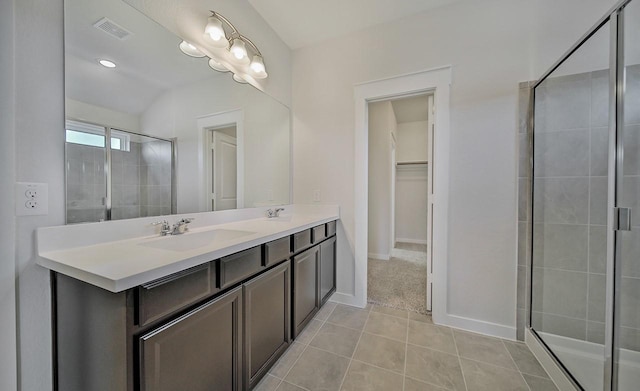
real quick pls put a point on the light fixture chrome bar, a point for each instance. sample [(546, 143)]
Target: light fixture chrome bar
[(235, 34)]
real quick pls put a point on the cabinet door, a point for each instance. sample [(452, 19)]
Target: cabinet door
[(200, 351), (267, 322), (305, 287), (327, 269)]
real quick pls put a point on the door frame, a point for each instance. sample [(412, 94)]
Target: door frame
[(435, 80), (205, 124)]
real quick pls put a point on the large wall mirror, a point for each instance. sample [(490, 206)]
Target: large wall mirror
[(151, 131)]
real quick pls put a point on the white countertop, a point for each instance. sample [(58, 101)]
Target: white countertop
[(118, 255)]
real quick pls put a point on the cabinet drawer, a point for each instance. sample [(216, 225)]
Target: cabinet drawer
[(318, 233), (166, 295), (301, 240), (237, 267), (331, 228), (277, 251)]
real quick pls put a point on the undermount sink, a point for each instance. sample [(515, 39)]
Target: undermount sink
[(281, 219), (193, 240)]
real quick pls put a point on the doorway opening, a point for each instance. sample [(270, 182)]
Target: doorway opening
[(222, 164), (436, 81), (400, 192)]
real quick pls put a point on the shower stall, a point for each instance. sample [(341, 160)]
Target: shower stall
[(584, 297), (131, 175)]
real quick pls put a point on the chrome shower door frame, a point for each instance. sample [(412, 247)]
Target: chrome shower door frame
[(615, 17)]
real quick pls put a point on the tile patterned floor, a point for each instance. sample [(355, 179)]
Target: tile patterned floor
[(380, 348)]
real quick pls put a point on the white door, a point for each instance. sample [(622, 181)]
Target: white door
[(224, 194), (430, 159)]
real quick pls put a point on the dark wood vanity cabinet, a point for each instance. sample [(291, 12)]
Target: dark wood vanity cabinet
[(327, 269), (267, 321), (219, 326), (306, 267), (199, 351)]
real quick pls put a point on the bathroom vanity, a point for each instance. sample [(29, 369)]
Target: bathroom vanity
[(217, 324)]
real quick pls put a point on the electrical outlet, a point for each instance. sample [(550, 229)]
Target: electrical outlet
[(32, 199), (316, 196)]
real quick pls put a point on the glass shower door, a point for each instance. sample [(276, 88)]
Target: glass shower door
[(627, 319), (570, 197), (141, 176)]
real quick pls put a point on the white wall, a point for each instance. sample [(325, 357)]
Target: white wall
[(8, 365), (266, 137), (411, 182), (411, 204), (39, 137), (412, 141), (102, 116), (382, 122), (492, 45)]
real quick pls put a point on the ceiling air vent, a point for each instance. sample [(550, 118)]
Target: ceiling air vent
[(112, 28)]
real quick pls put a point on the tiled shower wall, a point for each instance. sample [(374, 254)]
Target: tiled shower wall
[(155, 178), (141, 181), (86, 183), (571, 206)]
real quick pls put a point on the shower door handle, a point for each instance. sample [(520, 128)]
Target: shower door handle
[(622, 218)]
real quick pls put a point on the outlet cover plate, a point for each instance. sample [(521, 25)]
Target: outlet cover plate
[(32, 199)]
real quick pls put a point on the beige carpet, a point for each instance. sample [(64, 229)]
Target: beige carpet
[(398, 283)]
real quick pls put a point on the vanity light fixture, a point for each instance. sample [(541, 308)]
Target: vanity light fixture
[(107, 63), (233, 49), (239, 79), (217, 66), (190, 50)]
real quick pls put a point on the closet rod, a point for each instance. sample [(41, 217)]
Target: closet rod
[(410, 163)]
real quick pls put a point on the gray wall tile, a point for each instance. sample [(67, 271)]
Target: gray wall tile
[(598, 200), (597, 297), (559, 325), (561, 246), (562, 154), (630, 302), (561, 200), (597, 249), (600, 98), (599, 151), (549, 285)]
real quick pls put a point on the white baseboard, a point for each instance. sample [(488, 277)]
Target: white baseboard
[(382, 257), (476, 326), (412, 241), (348, 299)]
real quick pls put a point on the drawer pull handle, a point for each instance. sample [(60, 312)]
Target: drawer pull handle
[(173, 277)]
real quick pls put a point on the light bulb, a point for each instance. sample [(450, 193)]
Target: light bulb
[(214, 28), (257, 65), (238, 49), (190, 50), (216, 65)]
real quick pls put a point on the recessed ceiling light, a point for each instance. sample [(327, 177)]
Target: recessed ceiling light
[(107, 63)]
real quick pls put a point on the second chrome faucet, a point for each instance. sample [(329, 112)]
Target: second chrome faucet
[(274, 213), (178, 228)]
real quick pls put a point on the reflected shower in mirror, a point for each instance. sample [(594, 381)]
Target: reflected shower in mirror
[(183, 137)]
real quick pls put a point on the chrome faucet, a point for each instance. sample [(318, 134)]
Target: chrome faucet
[(178, 228), (181, 226), (274, 213), (165, 228)]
